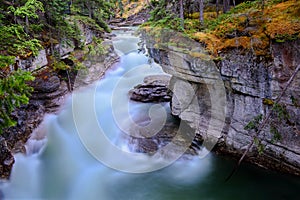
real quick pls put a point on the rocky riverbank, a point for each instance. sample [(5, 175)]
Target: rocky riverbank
[(50, 90), (251, 85)]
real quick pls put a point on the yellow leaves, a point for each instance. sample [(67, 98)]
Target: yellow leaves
[(210, 40), (283, 19), (132, 8), (242, 42), (26, 55), (209, 15), (195, 15), (253, 28), (268, 101), (282, 27)]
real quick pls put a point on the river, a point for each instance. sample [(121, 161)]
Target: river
[(86, 154)]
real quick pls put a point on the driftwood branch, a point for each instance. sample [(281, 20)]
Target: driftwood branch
[(264, 122)]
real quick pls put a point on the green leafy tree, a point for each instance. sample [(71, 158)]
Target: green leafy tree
[(14, 90), (98, 10), (27, 11), (55, 11)]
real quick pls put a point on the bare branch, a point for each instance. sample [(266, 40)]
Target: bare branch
[(264, 122)]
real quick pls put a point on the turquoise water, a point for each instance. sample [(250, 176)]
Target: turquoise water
[(67, 167)]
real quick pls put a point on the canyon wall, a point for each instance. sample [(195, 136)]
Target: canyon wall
[(249, 84)]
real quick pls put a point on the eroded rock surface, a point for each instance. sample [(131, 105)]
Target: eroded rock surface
[(154, 89), (50, 91), (251, 83)]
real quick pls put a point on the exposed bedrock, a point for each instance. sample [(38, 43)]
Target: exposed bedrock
[(233, 91)]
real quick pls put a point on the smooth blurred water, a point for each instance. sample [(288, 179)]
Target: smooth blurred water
[(65, 169)]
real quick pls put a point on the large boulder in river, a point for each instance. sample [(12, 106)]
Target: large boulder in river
[(154, 89)]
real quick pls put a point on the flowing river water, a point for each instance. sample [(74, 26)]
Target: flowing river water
[(65, 165)]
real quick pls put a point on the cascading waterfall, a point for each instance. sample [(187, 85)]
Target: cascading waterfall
[(66, 167)]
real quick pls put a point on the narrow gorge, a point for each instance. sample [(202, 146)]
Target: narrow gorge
[(153, 99), (252, 84)]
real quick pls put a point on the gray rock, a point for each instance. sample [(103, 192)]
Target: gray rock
[(6, 159), (154, 89), (248, 80), (46, 85)]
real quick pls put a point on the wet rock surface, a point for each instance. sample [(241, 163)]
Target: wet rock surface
[(173, 132), (50, 91), (133, 20), (6, 159), (248, 81), (154, 89)]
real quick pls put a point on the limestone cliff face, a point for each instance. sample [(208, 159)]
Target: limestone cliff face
[(248, 85)]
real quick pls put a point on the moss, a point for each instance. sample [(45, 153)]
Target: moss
[(269, 102), (200, 55), (194, 15), (249, 26)]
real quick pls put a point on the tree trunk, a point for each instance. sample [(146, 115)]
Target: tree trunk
[(201, 8), (181, 13), (226, 5), (89, 7), (217, 7), (27, 24), (150, 4)]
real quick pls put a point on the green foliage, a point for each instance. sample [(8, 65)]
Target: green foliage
[(275, 2), (6, 61), (245, 6), (14, 92), (275, 133), (28, 10), (254, 123), (168, 22), (281, 112), (96, 10), (162, 16), (59, 65), (55, 10), (77, 64), (294, 101), (228, 16), (95, 48), (89, 23), (280, 38), (260, 146), (23, 25), (32, 46), (36, 28), (267, 101), (16, 42), (159, 12), (279, 117)]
